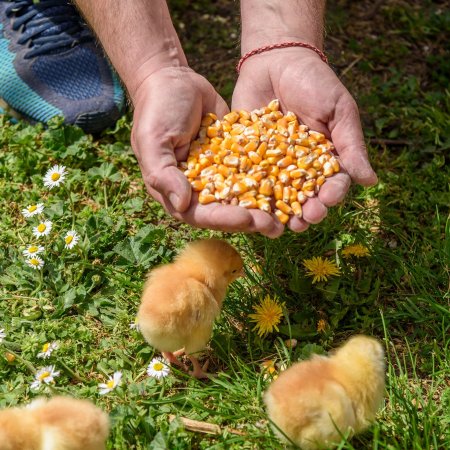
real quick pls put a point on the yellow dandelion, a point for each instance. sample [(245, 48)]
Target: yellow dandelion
[(321, 325), (267, 316), (320, 268), (357, 250)]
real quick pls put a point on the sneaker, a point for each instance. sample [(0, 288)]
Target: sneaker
[(51, 65)]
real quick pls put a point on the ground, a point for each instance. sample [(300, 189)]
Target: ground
[(393, 57)]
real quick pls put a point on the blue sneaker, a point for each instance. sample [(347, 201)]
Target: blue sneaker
[(51, 65)]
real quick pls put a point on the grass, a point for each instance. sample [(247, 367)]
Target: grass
[(86, 298)]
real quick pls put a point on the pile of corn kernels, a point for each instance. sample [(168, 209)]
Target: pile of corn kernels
[(261, 159)]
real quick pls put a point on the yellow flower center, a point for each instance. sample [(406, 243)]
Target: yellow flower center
[(110, 384), (34, 261), (41, 227), (68, 239), (55, 176), (32, 249), (45, 347), (32, 208), (44, 375), (158, 366)]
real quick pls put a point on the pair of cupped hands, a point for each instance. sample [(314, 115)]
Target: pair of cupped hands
[(170, 103)]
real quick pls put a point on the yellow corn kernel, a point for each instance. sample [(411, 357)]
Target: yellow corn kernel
[(286, 194), (266, 187), (231, 117), (316, 136), (301, 197), (248, 202), (285, 162), (282, 206), (274, 152), (197, 185), (328, 169), (297, 209), (292, 195), (274, 105), (278, 191), (208, 119), (264, 205), (237, 129), (335, 164), (282, 217), (244, 114), (309, 185), (284, 176), (227, 143), (245, 164), (259, 176), (273, 159), (191, 173), (273, 171), (311, 173), (250, 147), (212, 131), (231, 161), (239, 188), (297, 183), (305, 162), (205, 197), (254, 157), (320, 180), (262, 149)]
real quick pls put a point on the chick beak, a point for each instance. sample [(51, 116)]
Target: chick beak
[(241, 273)]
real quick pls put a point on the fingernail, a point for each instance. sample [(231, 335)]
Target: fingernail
[(175, 200)]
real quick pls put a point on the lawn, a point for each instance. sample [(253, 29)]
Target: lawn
[(392, 56)]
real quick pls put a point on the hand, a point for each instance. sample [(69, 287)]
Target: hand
[(169, 106), (305, 85)]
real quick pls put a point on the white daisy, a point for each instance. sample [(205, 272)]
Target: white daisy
[(111, 384), (43, 228), (54, 176), (71, 239), (158, 368), (135, 324), (35, 262), (45, 375), (33, 250), (47, 350), (32, 210), (2, 334)]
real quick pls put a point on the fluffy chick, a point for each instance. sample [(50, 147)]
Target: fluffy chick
[(181, 300), (314, 402), (60, 423)]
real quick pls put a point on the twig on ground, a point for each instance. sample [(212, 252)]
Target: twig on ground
[(204, 427)]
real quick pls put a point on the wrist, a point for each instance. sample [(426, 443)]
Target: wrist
[(284, 21)]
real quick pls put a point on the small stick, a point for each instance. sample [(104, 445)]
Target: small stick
[(203, 427)]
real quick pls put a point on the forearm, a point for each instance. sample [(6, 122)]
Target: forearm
[(266, 22), (137, 35)]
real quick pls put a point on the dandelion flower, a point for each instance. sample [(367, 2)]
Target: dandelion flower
[(43, 228), (45, 375), (158, 368), (267, 316), (32, 210), (135, 324), (55, 176), (33, 250), (47, 350), (71, 239), (111, 384), (35, 262), (269, 370), (357, 250), (320, 268), (2, 334), (321, 325)]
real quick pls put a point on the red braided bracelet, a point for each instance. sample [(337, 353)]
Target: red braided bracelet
[(282, 45)]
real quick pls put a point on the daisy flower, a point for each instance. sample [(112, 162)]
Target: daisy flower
[(269, 370), (43, 228), (45, 375), (32, 210), (54, 176), (111, 384), (357, 250), (267, 316), (71, 239), (33, 250), (158, 368), (135, 324), (35, 262), (47, 350), (2, 334), (320, 268)]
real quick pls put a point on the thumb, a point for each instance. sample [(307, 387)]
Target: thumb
[(348, 138), (160, 173)]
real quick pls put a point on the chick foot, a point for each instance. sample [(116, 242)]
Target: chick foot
[(172, 357), (199, 371)]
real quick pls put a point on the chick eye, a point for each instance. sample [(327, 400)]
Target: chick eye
[(234, 271)]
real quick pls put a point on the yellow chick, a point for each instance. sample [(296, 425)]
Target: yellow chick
[(317, 401), (181, 300), (60, 423)]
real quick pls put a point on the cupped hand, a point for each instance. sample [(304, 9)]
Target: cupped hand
[(168, 108), (307, 86)]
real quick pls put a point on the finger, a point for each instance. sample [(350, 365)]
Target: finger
[(314, 211), (266, 224), (334, 189), (347, 137), (298, 225)]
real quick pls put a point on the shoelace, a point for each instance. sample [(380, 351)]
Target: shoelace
[(48, 26)]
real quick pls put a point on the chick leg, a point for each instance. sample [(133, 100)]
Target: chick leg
[(199, 371), (172, 357)]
